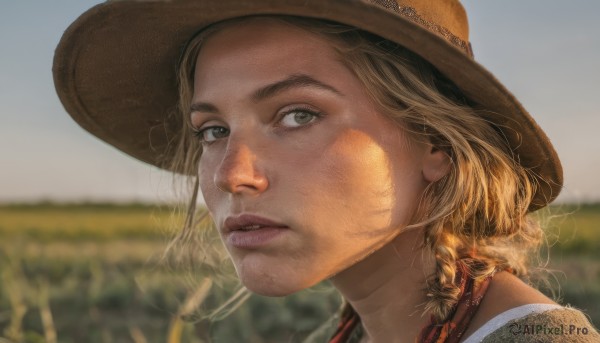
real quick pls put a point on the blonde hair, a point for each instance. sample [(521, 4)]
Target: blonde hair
[(478, 212)]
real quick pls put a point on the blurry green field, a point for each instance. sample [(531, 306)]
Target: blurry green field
[(95, 270), (90, 273)]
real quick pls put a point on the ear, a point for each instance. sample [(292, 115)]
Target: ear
[(436, 164)]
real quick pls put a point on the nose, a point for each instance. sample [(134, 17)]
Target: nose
[(238, 172)]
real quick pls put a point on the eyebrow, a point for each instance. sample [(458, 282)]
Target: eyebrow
[(203, 107), (293, 81)]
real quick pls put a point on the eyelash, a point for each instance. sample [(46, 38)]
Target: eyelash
[(199, 133)]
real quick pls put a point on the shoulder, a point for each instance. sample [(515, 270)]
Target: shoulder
[(504, 293), (510, 301), (561, 324)]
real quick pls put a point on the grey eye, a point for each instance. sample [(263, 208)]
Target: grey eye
[(213, 133), (297, 118)]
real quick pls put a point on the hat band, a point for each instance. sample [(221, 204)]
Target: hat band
[(411, 14)]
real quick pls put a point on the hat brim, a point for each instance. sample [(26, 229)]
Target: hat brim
[(115, 72)]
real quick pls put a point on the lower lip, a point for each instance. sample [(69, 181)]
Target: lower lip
[(254, 238)]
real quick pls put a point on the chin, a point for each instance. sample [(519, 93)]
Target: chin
[(277, 287), (273, 282), (270, 291)]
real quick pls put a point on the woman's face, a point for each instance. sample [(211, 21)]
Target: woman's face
[(300, 172)]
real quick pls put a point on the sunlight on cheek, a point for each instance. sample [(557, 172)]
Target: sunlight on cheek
[(366, 177)]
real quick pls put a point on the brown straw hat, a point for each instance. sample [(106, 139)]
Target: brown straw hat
[(115, 68)]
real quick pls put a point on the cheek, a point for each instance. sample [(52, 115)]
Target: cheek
[(206, 175), (352, 182)]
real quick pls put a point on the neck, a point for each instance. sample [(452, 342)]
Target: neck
[(387, 289)]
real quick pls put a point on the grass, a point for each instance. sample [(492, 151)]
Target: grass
[(89, 273)]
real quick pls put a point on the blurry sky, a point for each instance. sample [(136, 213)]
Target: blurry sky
[(545, 52)]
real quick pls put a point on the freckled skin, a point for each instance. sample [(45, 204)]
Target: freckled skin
[(345, 184)]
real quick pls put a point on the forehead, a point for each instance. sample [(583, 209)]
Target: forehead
[(263, 49), (255, 33)]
